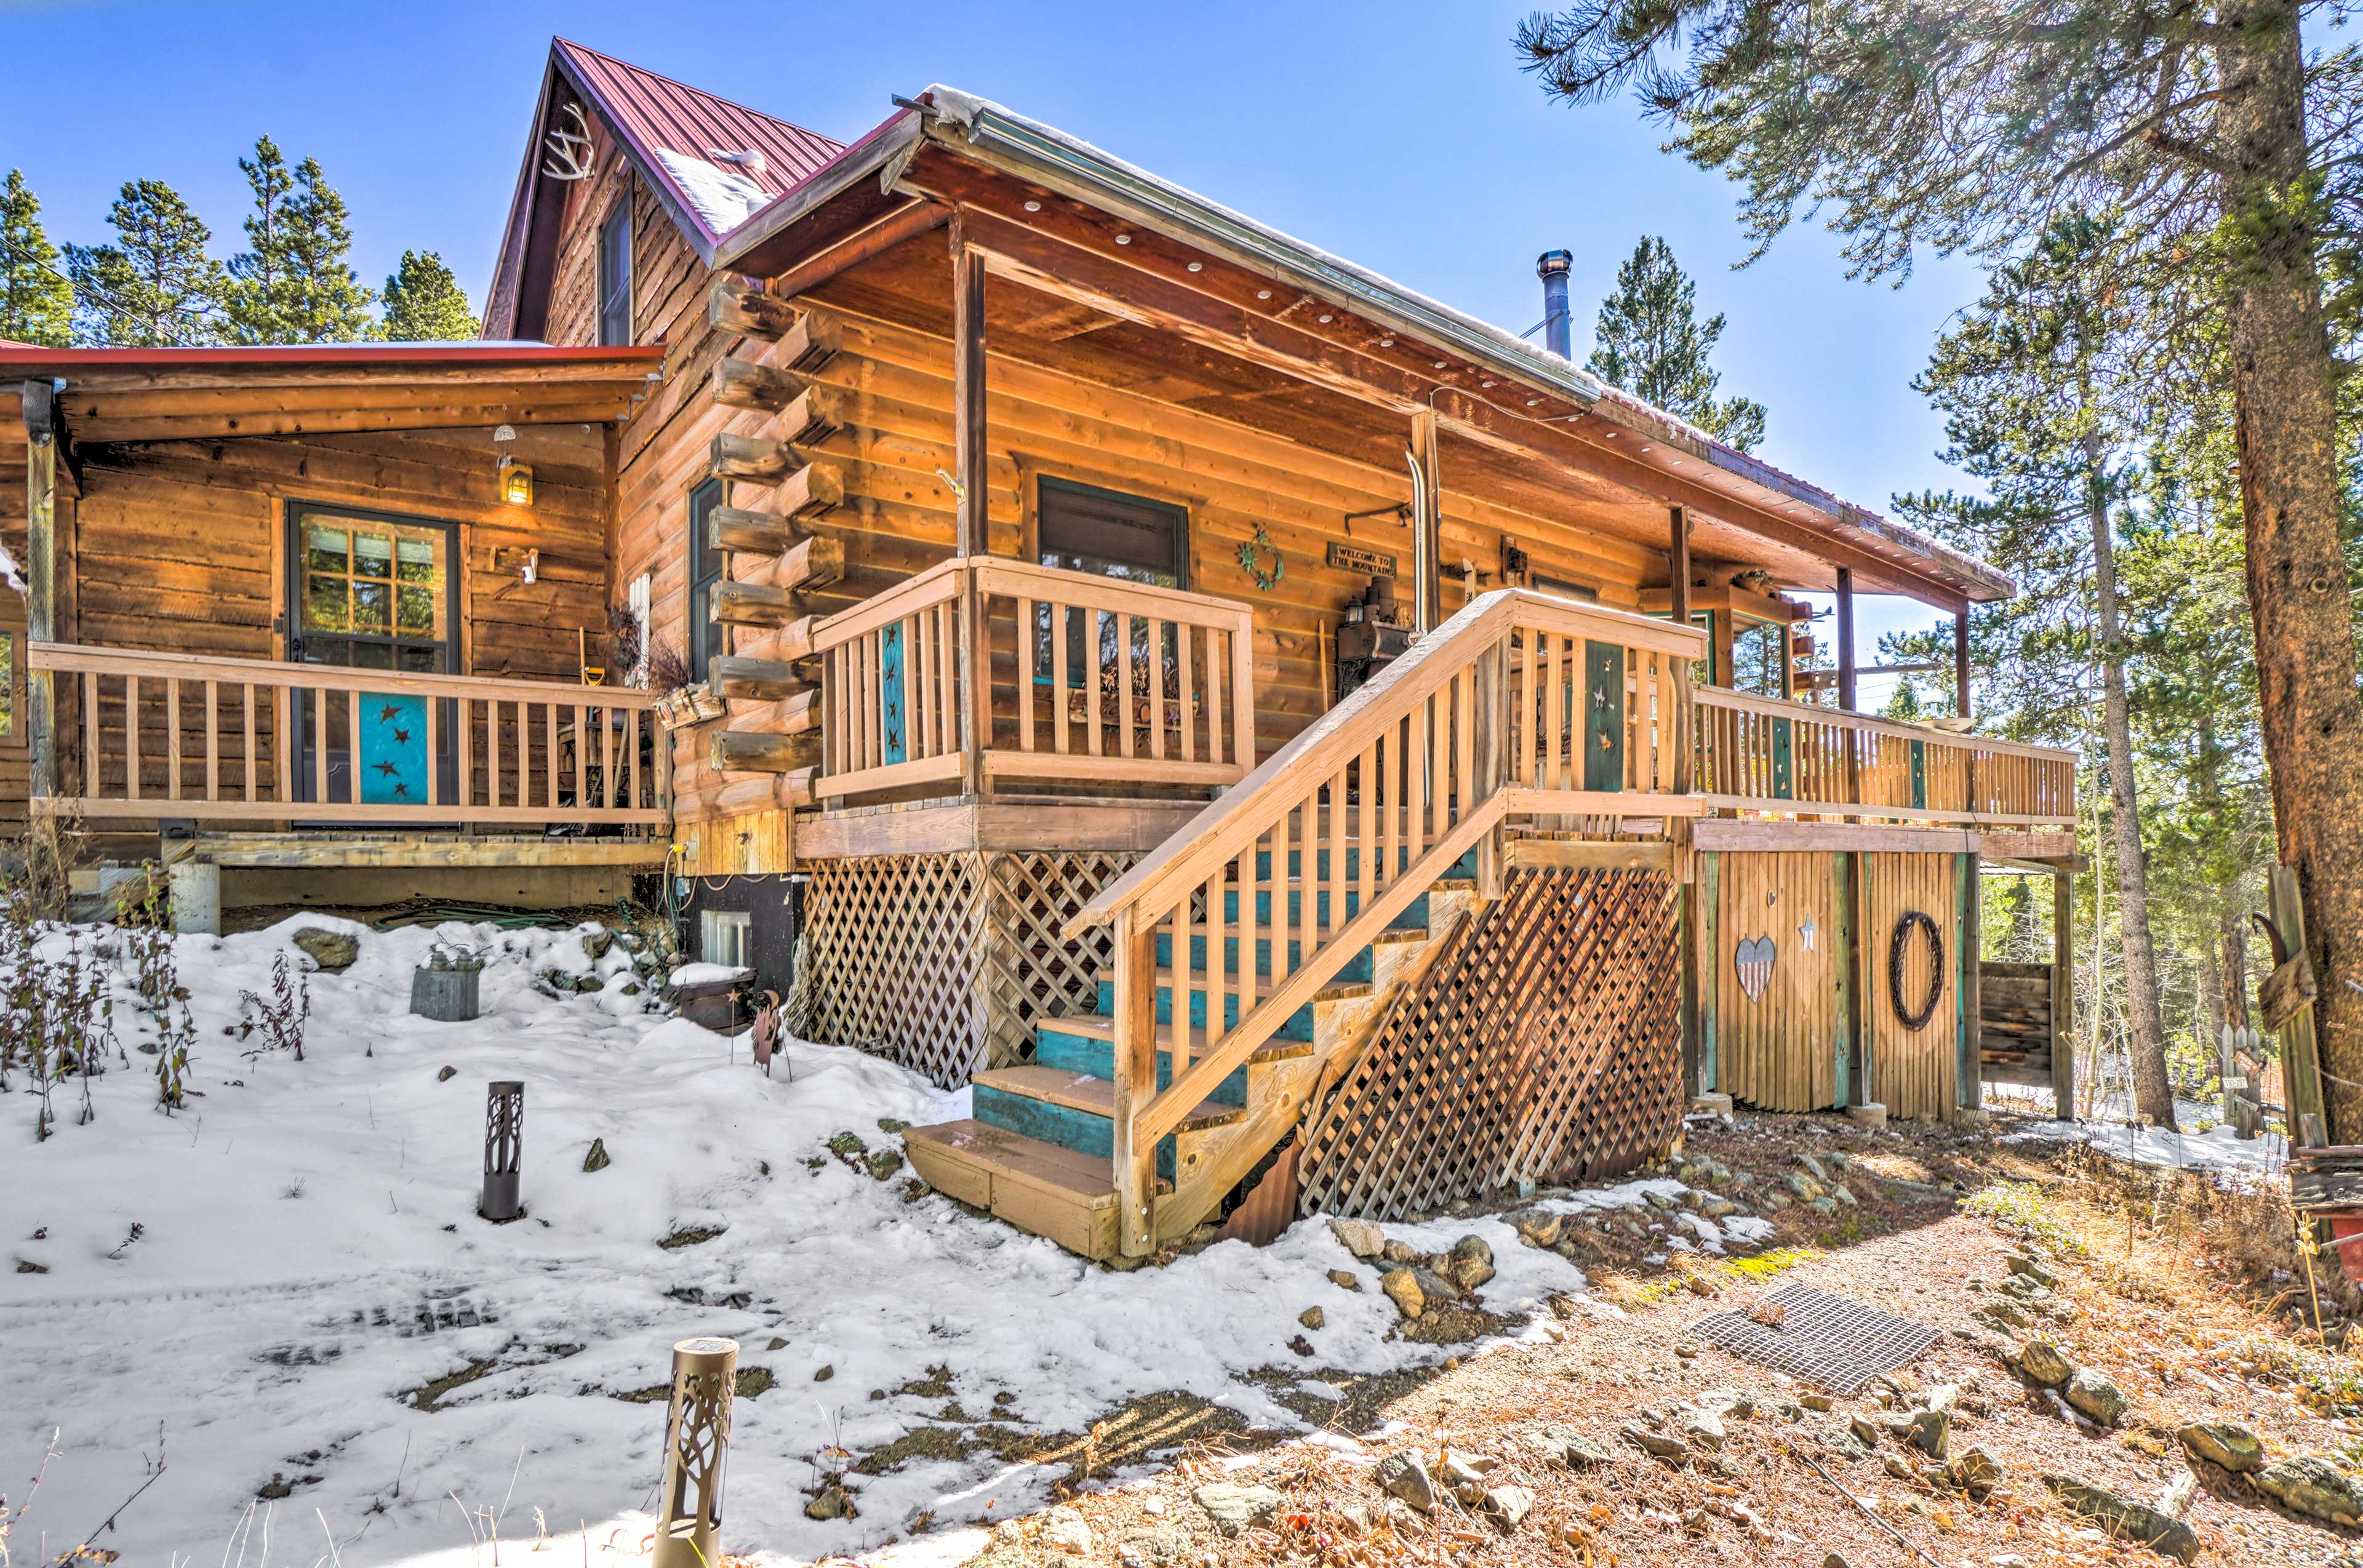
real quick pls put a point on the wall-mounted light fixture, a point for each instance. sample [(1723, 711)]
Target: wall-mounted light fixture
[(517, 482)]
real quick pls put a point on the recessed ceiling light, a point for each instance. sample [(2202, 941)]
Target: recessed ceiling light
[(1263, 294), (1386, 342), (1033, 206), (1645, 449), (1534, 401), (1328, 318), (1439, 364), (1124, 238), (1197, 266), (1484, 384)]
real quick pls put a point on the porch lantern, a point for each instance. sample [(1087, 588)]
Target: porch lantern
[(517, 482)]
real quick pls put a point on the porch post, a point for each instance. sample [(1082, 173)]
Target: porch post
[(1136, 1079), (41, 579), (969, 537), (1427, 537), (1961, 662), (1846, 639), (2063, 993), (1678, 563)]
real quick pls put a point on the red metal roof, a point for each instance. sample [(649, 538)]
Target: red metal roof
[(27, 355), (655, 113)]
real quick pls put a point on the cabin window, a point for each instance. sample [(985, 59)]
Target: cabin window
[(373, 592), (705, 572), (615, 274), (726, 936), (1081, 528)]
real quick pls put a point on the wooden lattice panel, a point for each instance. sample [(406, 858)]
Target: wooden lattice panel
[(1030, 970), (894, 960), (1545, 1042)]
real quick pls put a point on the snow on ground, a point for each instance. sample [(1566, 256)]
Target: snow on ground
[(2218, 1148), (294, 1222)]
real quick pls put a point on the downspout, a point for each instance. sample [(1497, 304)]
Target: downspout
[(1422, 614)]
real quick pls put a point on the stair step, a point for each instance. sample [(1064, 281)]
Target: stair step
[(1298, 1026), (1086, 1045), (1037, 1186), (1081, 1093), (1359, 967), (1077, 1111)]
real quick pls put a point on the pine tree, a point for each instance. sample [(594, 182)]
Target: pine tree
[(2226, 141), (261, 303), (423, 303), (1650, 341), (329, 304), (35, 299), (155, 286)]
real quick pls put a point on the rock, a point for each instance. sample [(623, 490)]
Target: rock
[(1803, 1187), (1865, 1430), (1235, 1508), (1571, 1448), (1063, 1529), (1673, 1451), (832, 1504), (1839, 1193), (1399, 1253), (1931, 1431), (1401, 1288), (1718, 1207), (2002, 1314), (2312, 1487), (1311, 1318), (1469, 1274), (2226, 1445), (893, 1126), (1509, 1505), (1301, 1345), (1345, 1279), (2125, 1518), (1943, 1396), (777, 1343), (1814, 1401), (1835, 1561), (1473, 1247), (1977, 1469), (2040, 1360), (447, 1074), (1434, 1287), (1820, 1172), (1462, 1479), (332, 950), (1358, 1237), (2030, 1268), (824, 1374), (1536, 1230), (2091, 1392), (597, 940), (598, 1159), (1703, 1429), (883, 1164), (1736, 1403), (1406, 1475)]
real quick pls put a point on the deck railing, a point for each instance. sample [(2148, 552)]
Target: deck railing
[(1521, 706), (1761, 755), (172, 735), (1091, 680)]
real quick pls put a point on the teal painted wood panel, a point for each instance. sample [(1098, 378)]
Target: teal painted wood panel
[(1784, 768), (1604, 715)]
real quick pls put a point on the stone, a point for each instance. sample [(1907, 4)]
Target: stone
[(2027, 1268), (1819, 1172), (2040, 1360), (1345, 1279), (893, 1126), (1931, 1431), (1703, 1429), (883, 1164), (1803, 1187), (332, 950), (2002, 1314), (1571, 1448), (1718, 1207), (1434, 1287), (1838, 1192), (1063, 1529), (1943, 1396), (1402, 1288), (1736, 1403), (1469, 1274), (2091, 1392), (1873, 1116), (1812, 1401), (1540, 1229), (1835, 1560), (2312, 1487), (1462, 1479), (1975, 1469), (1473, 1247), (1235, 1508), (1673, 1451), (832, 1504), (1310, 1317), (1400, 1252), (1509, 1505), (1406, 1475), (2226, 1445), (824, 1374), (1301, 1345), (1358, 1237), (2125, 1518), (446, 1073), (1712, 1104), (598, 1159), (1865, 1430)]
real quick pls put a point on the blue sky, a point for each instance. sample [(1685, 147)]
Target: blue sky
[(1400, 134)]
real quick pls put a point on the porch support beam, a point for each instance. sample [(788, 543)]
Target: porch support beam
[(42, 431), (1846, 639), (970, 535)]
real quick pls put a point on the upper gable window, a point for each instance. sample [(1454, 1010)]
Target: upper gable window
[(615, 274)]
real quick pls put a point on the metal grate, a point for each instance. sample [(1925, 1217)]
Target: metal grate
[(1825, 1341)]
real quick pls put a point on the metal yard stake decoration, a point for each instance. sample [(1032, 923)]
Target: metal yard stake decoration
[(503, 1149), (697, 1436)]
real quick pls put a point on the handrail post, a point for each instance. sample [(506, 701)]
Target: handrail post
[(977, 671), (1490, 716), (1243, 724), (1136, 1076)]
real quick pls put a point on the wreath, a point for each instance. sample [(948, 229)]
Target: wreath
[(1251, 558), (1905, 924)]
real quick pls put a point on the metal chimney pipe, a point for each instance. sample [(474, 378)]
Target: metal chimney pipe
[(1558, 334)]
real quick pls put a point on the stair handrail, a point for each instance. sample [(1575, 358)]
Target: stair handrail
[(1476, 641)]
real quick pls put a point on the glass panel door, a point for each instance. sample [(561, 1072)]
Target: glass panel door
[(371, 593)]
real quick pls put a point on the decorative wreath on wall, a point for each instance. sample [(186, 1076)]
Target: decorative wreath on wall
[(1910, 921), (1251, 556)]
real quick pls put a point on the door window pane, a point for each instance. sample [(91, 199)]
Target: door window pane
[(324, 549), (372, 608), (323, 604)]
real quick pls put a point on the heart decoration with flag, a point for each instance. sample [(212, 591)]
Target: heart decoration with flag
[(1755, 957)]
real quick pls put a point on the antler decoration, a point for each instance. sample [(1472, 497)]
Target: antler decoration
[(570, 150)]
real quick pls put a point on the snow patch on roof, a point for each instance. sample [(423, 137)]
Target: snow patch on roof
[(723, 198)]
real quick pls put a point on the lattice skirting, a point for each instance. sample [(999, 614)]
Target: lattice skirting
[(1545, 1042), (944, 962)]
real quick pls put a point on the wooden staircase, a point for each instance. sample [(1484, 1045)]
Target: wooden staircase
[(1038, 1150)]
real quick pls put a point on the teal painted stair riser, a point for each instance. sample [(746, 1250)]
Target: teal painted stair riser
[(1466, 867), (1356, 970), (1414, 915), (1298, 1027), (1063, 1125), (1053, 1047)]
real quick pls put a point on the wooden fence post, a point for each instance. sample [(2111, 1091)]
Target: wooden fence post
[(2063, 993), (1135, 1066)]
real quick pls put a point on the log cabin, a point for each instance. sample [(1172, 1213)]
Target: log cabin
[(1286, 744)]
